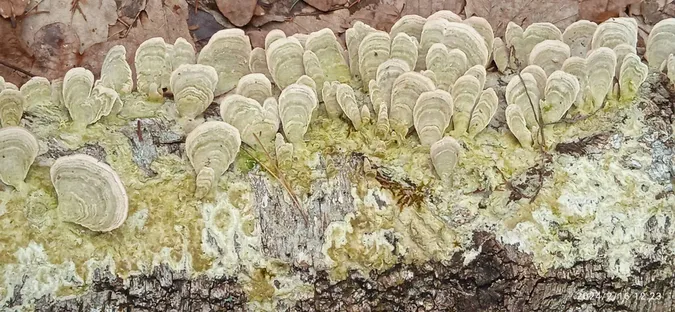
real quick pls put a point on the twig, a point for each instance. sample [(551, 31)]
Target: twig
[(23, 71), (280, 177), (139, 133), (132, 24)]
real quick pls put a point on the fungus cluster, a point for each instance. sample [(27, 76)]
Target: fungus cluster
[(426, 74)]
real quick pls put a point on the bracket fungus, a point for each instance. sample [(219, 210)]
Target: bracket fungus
[(660, 43), (518, 126), (86, 102), (330, 53), (632, 74), (313, 70), (601, 66), (373, 51), (255, 86), (77, 85), (329, 96), (183, 53), (444, 156), (193, 86), (297, 102), (36, 91), (670, 68), (468, 40), (405, 91), (561, 92), (387, 73), (465, 92), (549, 55), (539, 75), (353, 37), (483, 111), (347, 101), (228, 52), (577, 66), (257, 63), (18, 149), (445, 15), (89, 192), (448, 65), (153, 68), (431, 115), (525, 94), (483, 27), (116, 72), (578, 37), (12, 103), (500, 54), (251, 118), (285, 61), (615, 31), (283, 150), (621, 50), (405, 48), (433, 33), (211, 148), (535, 34)]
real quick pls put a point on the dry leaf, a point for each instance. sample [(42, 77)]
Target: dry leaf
[(523, 12), (602, 10), (381, 15), (425, 8), (90, 20), (326, 5), (238, 12), (655, 10), (12, 8)]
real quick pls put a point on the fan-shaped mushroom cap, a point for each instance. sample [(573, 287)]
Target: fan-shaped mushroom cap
[(11, 86), (515, 44), (433, 32), (12, 103), (329, 93), (90, 193), (251, 118), (479, 72), (577, 66), (525, 94), (386, 74), (500, 54), (466, 38), (405, 91), (307, 81), (353, 37), (330, 53), (446, 15), (373, 51), (365, 115), (516, 123), (153, 67), (444, 156), (534, 34), (383, 121), (448, 65), (193, 88), (347, 101), (77, 85), (670, 67), (314, 70), (632, 74), (116, 72), (101, 102), (228, 52), (621, 51), (37, 91), (483, 27), (539, 75), (432, 114), (274, 35), (578, 36), (409, 24), (296, 104), (257, 62), (615, 31), (405, 48), (561, 92), (284, 151), (549, 55), (661, 42), (284, 60), (255, 86), (183, 53), (465, 92), (18, 149), (211, 148), (483, 112), (601, 68)]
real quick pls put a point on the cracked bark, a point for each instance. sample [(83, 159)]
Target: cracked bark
[(499, 278)]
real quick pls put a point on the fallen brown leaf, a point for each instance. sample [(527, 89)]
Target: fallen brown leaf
[(238, 12), (425, 8), (655, 10), (326, 5), (523, 12), (12, 8), (380, 15), (602, 10), (335, 20)]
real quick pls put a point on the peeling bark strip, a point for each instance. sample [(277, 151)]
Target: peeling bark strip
[(500, 278)]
